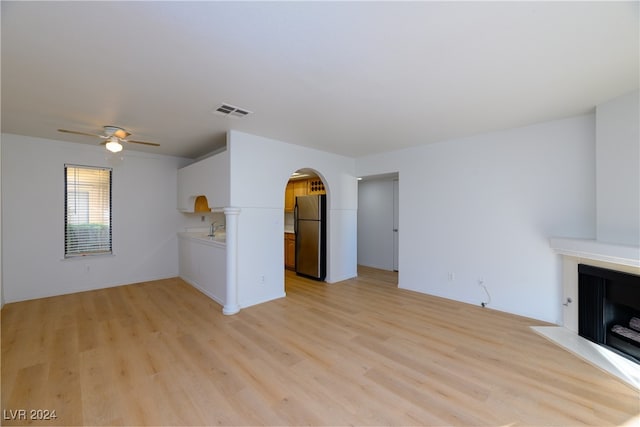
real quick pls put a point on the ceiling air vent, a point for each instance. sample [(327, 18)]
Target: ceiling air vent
[(230, 110)]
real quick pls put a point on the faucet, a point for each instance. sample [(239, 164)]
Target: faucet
[(213, 227)]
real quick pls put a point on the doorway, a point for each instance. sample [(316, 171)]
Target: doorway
[(378, 222), (305, 242)]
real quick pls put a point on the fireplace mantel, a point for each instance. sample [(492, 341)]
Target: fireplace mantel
[(598, 251), (606, 255)]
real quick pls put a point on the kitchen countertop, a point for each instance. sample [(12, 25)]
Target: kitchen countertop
[(201, 237)]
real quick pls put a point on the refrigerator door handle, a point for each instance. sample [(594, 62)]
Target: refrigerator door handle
[(295, 219)]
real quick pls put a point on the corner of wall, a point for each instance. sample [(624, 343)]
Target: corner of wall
[(618, 170), (1, 289)]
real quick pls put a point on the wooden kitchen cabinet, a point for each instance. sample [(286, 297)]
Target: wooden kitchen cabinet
[(289, 198), (299, 188), (290, 251), (293, 190), (315, 186)]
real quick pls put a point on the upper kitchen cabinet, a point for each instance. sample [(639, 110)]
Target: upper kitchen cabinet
[(208, 177), (294, 189), (289, 198), (315, 186)]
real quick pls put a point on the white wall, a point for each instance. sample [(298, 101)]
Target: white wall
[(375, 223), (1, 285), (208, 177), (260, 168), (484, 207), (203, 265), (618, 170), (145, 219)]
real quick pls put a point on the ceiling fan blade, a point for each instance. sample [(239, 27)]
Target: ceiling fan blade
[(143, 142), (79, 133)]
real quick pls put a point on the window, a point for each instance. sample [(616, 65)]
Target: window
[(87, 211)]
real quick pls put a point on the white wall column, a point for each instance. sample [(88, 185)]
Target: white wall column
[(618, 170), (231, 218)]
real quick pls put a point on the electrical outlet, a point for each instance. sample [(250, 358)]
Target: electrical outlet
[(261, 279), (451, 276)]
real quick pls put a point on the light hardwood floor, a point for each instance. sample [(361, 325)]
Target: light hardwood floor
[(358, 352)]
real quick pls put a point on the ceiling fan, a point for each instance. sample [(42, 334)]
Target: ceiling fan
[(113, 137)]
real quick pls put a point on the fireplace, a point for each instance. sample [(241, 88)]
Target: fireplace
[(609, 309)]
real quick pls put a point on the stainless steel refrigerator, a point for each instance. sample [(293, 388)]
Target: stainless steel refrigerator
[(311, 234)]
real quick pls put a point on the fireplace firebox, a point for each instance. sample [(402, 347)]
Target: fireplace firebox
[(609, 309)]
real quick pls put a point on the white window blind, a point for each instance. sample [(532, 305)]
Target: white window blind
[(87, 216)]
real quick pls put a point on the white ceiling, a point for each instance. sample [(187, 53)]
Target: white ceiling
[(352, 78)]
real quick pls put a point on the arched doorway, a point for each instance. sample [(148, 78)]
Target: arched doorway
[(306, 224)]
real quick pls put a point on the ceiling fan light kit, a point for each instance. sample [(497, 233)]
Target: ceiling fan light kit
[(113, 145)]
